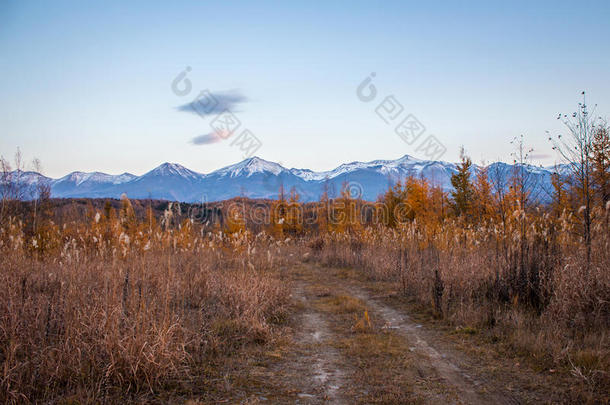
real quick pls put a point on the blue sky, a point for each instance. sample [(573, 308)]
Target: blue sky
[(88, 87)]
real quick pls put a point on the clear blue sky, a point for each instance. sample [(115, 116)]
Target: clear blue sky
[(88, 87)]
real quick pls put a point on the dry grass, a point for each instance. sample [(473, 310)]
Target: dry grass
[(342, 304), (116, 309), (549, 307), (384, 367), (112, 306)]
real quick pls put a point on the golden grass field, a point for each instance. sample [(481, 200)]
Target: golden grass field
[(111, 306)]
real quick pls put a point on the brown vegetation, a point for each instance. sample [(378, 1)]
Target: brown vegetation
[(114, 307), (130, 299)]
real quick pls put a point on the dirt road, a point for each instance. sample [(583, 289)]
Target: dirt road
[(350, 345)]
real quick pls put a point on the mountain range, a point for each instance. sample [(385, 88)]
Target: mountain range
[(257, 178)]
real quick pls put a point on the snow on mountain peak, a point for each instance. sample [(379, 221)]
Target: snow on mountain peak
[(249, 167), (381, 166), (173, 169), (79, 178), (25, 177), (259, 178)]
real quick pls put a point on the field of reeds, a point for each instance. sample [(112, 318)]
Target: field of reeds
[(114, 302), (522, 275), (114, 307), (550, 306)]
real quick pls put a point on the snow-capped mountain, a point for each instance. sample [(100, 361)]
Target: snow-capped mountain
[(169, 181), (82, 178), (27, 178), (168, 170), (249, 167), (80, 184), (258, 178)]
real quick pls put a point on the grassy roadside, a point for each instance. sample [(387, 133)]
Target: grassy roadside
[(499, 353), (384, 369), (386, 372)]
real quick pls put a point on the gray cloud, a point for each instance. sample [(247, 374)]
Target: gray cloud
[(206, 139), (209, 103)]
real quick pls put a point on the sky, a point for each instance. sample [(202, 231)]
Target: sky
[(100, 87)]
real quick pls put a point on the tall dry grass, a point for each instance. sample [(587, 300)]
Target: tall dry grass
[(533, 291), (111, 306), (114, 308)]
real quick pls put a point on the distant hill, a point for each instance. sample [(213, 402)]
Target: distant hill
[(258, 178)]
